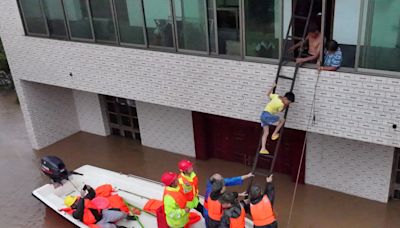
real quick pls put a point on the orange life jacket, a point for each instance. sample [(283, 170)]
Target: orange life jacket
[(104, 190), (262, 213), (178, 197), (116, 201), (88, 217), (214, 209), (238, 222), (191, 188)]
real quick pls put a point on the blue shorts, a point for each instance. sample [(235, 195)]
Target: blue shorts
[(268, 119)]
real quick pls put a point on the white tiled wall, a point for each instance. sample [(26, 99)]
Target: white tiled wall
[(49, 112), (352, 106), (166, 128), (90, 114), (349, 166)]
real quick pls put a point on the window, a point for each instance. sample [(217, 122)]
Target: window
[(211, 25), (191, 24), (262, 28), (159, 24), (54, 12), (103, 23), (345, 29), (380, 40), (130, 21), (228, 21), (78, 18), (35, 23)]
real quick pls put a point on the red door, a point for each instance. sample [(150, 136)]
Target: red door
[(237, 140)]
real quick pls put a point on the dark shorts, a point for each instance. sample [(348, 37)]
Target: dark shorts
[(268, 119)]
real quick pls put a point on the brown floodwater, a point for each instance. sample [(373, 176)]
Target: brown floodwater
[(19, 167)]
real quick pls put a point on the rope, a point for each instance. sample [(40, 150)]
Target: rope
[(310, 120)]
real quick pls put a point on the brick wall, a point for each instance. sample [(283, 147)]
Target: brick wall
[(166, 128), (349, 166)]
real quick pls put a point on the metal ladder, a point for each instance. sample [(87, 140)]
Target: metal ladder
[(285, 58)]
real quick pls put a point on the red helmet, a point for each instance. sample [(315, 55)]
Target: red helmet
[(168, 178), (184, 165)]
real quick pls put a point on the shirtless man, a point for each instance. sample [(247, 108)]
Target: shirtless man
[(314, 45)]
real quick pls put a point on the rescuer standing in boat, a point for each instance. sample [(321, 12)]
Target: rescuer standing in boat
[(176, 212), (260, 206), (189, 185)]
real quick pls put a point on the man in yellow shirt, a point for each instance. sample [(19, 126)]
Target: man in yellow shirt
[(268, 116)]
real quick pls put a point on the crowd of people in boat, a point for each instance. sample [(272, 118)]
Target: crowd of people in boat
[(103, 208), (222, 208)]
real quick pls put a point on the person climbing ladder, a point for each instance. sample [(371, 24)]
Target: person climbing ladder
[(268, 116)]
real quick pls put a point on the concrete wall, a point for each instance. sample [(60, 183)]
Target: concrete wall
[(49, 112), (90, 113), (349, 166), (166, 128)]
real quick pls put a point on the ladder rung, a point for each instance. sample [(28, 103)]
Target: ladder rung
[(285, 77), (295, 37), (300, 17), (267, 156), (260, 173)]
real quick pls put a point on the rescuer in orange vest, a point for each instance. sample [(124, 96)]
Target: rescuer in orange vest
[(234, 213), (213, 205), (174, 202), (260, 205), (83, 209), (189, 185)]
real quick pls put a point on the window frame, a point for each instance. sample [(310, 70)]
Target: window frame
[(155, 47), (67, 35), (116, 23), (368, 20), (113, 18), (93, 39), (25, 24), (280, 42), (207, 38)]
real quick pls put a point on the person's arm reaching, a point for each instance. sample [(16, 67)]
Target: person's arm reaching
[(233, 181), (269, 189), (271, 90), (328, 68)]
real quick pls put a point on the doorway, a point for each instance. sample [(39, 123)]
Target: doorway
[(122, 117), (395, 189), (237, 141)]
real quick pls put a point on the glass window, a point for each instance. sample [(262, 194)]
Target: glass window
[(34, 19), (345, 29), (103, 23), (211, 25), (263, 28), (228, 20), (55, 18), (78, 18), (380, 44), (159, 24), (191, 25), (130, 21)]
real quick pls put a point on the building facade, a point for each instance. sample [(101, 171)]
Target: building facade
[(216, 58)]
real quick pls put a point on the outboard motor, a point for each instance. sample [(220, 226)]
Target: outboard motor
[(54, 168)]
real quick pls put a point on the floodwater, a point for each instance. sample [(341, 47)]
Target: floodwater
[(19, 167)]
